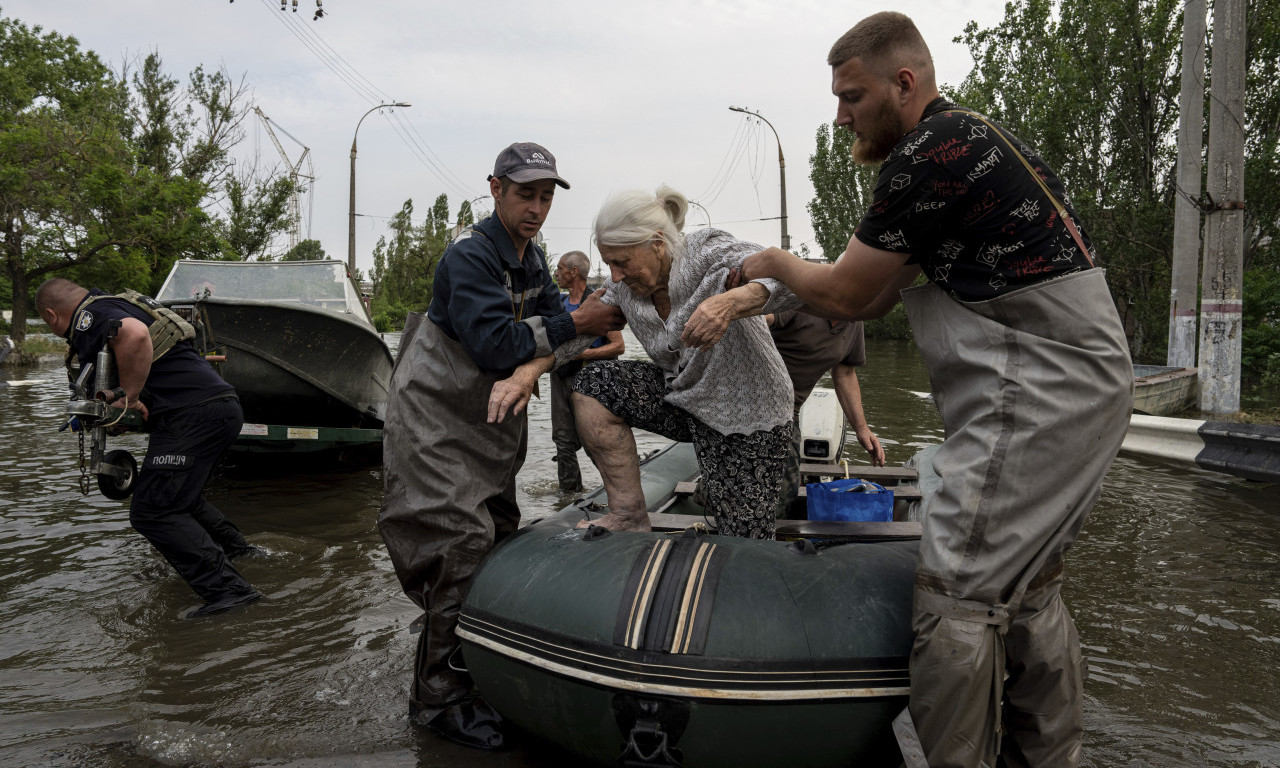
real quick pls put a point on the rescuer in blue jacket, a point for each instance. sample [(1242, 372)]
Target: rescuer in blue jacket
[(449, 473)]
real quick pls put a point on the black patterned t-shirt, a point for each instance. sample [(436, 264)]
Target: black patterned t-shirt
[(953, 196)]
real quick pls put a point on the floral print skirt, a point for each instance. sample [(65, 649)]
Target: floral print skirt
[(741, 473)]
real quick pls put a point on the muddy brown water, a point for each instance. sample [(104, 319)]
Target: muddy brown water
[(1174, 586)]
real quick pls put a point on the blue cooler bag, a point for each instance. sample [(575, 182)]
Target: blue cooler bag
[(850, 499)]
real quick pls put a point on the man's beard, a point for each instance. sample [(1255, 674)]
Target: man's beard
[(875, 141)]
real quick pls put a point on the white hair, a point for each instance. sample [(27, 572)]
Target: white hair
[(634, 217)]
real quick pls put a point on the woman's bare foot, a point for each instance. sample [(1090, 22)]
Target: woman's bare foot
[(616, 521)]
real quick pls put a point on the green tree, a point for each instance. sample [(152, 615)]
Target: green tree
[(1094, 86), (404, 266), (842, 190), (466, 217), (65, 162), (307, 250), (110, 178), (186, 138), (257, 211)]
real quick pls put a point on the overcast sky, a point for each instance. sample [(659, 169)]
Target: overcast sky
[(626, 95)]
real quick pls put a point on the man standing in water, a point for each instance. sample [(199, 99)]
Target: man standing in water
[(1031, 375), (449, 476), (192, 417), (571, 276)]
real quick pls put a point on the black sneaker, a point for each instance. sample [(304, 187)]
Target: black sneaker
[(225, 603), (470, 722)]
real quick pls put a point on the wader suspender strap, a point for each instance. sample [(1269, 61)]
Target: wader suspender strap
[(1058, 206), (519, 315)]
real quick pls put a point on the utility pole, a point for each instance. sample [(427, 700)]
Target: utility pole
[(1221, 284), (351, 200), (782, 174), (1186, 203)]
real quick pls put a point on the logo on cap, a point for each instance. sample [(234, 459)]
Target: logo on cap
[(524, 162)]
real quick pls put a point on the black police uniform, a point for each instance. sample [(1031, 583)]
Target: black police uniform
[(193, 417)]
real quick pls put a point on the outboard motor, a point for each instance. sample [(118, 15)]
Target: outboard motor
[(117, 470), (822, 429)]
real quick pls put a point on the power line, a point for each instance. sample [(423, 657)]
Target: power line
[(727, 154), (743, 146), (367, 90), (361, 91)]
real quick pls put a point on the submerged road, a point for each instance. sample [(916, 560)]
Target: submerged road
[(1173, 586)]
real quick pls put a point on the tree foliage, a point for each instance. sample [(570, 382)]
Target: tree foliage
[(842, 190), (110, 177), (307, 250), (1093, 86), (64, 158), (404, 266)]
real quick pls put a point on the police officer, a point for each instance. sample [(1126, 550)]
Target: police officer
[(192, 416)]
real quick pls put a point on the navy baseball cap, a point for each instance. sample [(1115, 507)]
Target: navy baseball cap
[(524, 162)]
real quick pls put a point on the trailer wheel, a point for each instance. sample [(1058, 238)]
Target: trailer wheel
[(122, 487)]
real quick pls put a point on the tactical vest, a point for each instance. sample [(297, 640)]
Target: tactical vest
[(167, 328)]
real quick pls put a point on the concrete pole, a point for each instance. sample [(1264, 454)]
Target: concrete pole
[(782, 174), (1186, 212), (1222, 282), (351, 198)]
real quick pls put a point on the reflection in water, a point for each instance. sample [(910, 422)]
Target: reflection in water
[(1172, 586)]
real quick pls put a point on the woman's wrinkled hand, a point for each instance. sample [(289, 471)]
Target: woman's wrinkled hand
[(708, 323)]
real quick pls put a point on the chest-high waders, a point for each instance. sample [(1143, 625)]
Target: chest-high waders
[(117, 470), (1035, 391), (449, 496)]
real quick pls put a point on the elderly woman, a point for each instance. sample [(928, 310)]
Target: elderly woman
[(716, 379)]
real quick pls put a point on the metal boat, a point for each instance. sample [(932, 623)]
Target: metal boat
[(682, 647), (1161, 390), (293, 338)]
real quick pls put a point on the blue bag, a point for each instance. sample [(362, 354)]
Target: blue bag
[(849, 499)]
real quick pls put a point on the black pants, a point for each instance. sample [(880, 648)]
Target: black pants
[(168, 508)]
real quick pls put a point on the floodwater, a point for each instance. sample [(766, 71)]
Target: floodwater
[(1173, 586)]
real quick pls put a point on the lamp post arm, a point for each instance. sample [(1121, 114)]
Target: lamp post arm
[(782, 174), (351, 205)]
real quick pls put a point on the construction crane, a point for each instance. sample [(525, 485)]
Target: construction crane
[(295, 207)]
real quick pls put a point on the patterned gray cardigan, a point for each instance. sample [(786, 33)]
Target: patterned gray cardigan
[(738, 386)]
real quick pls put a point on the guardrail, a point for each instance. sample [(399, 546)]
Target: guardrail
[(1251, 451)]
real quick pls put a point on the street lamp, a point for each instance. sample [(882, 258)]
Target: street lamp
[(472, 203), (351, 211), (705, 212), (782, 172)]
